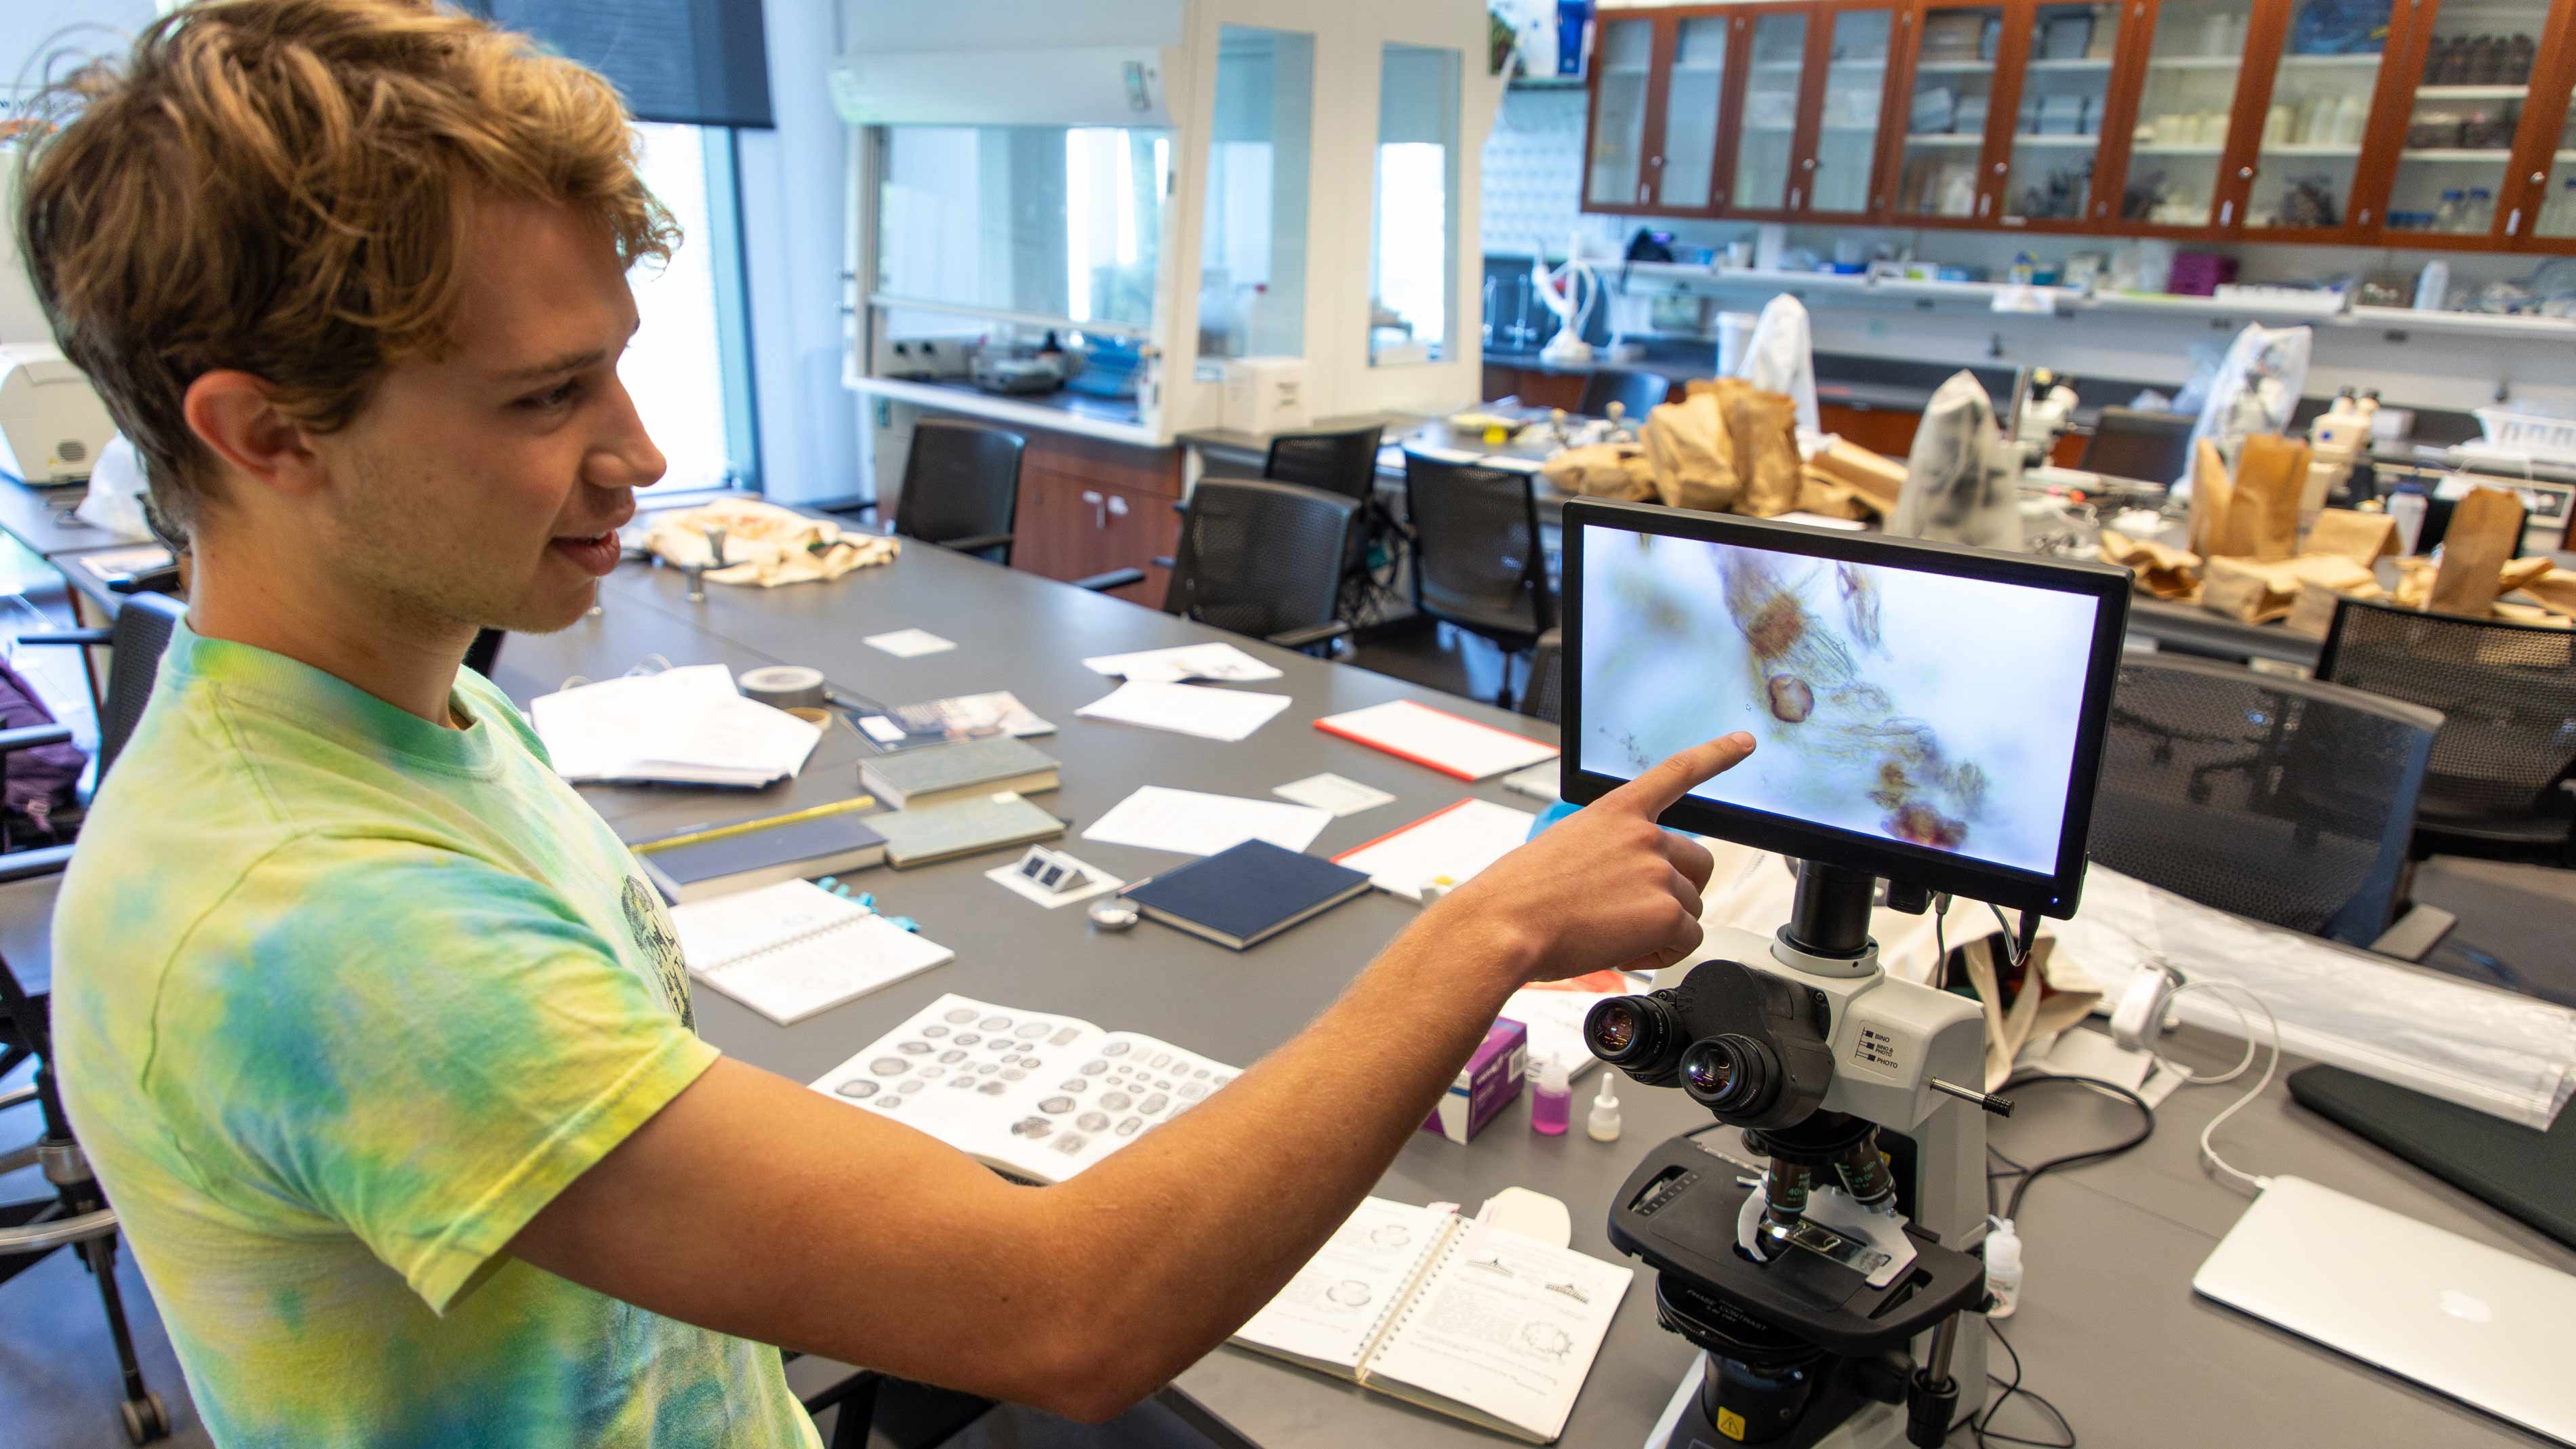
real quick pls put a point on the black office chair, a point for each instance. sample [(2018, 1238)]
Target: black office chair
[(1636, 393), (2150, 447), (1346, 463), (77, 1214), (2497, 785), (1543, 697), (961, 487), (1477, 562), (2281, 800), (1258, 558)]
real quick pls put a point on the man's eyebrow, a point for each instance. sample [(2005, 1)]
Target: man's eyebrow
[(568, 362)]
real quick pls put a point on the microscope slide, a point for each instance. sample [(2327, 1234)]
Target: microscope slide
[(1886, 702)]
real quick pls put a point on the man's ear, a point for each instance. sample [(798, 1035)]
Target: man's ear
[(233, 413)]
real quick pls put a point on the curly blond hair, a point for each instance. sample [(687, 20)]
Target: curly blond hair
[(287, 187)]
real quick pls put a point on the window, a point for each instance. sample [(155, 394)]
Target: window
[(688, 368), (1252, 277), (1413, 257), (1051, 224)]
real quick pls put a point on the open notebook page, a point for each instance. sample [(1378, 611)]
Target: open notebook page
[(1331, 1312), (1503, 1326)]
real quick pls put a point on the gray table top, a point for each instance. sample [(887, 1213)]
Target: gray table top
[(2108, 1326)]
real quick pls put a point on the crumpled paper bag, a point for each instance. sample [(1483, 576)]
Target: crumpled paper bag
[(764, 544), (1603, 470), (2163, 571), (2259, 591), (1692, 455)]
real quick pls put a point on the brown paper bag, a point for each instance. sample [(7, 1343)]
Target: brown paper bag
[(2211, 493), (2485, 534), (2162, 571), (1690, 455), (2521, 572), (1856, 467), (2263, 515), (1764, 429), (2532, 615), (1820, 494), (2312, 612), (2259, 591), (1602, 470), (2555, 590), (2365, 538)]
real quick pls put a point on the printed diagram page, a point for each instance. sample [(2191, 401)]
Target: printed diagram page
[(1505, 1326), (971, 1074), (1329, 1312)]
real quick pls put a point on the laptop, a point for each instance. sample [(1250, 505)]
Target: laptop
[(2476, 1323)]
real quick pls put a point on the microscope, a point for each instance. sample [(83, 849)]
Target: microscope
[(1836, 1286)]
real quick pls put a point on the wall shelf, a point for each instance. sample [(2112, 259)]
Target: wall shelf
[(2471, 93)]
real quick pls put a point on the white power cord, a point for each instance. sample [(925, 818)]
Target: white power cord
[(2272, 1025)]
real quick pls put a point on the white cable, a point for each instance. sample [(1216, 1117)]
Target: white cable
[(2272, 1024)]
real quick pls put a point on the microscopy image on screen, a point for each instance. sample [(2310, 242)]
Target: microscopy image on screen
[(1909, 706)]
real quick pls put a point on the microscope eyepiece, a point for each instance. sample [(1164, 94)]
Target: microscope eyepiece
[(1637, 1034), (1730, 1075)]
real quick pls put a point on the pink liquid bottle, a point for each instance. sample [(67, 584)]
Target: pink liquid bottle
[(1551, 1099)]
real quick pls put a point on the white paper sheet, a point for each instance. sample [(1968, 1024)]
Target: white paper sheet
[(1216, 660), (686, 725), (1193, 823), (791, 950), (1436, 738), (908, 643), (1513, 1334), (1457, 843), (1225, 715), (1334, 793), (1335, 1305)]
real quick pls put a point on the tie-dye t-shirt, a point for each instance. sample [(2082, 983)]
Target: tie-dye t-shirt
[(343, 998)]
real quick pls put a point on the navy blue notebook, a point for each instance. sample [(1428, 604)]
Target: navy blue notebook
[(1246, 894)]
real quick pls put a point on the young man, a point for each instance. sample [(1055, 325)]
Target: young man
[(368, 1024)]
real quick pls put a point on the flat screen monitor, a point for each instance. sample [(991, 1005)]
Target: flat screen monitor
[(1925, 712)]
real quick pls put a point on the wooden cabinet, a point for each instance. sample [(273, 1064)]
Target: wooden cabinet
[(1088, 506), (2194, 120)]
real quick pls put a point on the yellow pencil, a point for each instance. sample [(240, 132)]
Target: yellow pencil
[(694, 836)]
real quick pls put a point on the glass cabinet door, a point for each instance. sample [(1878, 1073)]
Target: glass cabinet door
[(2465, 116), (1766, 140), (1839, 172), (1945, 120), (2057, 130), (2556, 200), (1623, 63), (2312, 128), (1686, 167), (2194, 62)]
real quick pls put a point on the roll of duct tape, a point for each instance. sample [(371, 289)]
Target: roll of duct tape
[(785, 686)]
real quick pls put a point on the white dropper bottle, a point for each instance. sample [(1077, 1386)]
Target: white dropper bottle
[(1604, 1121)]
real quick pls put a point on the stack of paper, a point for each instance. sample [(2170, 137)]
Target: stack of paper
[(1454, 843), (790, 950), (1192, 823), (1187, 709), (1436, 738), (1219, 661), (686, 726)]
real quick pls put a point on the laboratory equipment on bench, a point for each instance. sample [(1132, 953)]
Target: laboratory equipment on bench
[(53, 425), (1570, 291), (2042, 408), (1838, 1291)]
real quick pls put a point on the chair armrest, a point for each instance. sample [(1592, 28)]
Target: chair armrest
[(1164, 561), (64, 636), (1114, 579), (1312, 635), (162, 580), (20, 865), (978, 543), (2413, 936), (30, 737)]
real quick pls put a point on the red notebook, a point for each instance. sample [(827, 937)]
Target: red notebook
[(1443, 741)]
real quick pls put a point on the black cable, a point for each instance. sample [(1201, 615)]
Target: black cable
[(1982, 1427), (2033, 1172)]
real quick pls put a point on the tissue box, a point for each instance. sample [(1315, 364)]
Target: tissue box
[(1492, 1077), (1267, 395)]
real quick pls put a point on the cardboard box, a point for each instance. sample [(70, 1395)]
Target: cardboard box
[(1267, 395), (1490, 1080)]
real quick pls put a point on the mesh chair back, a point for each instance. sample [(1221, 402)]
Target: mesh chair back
[(1476, 561), (2152, 447), (2508, 692), (1344, 463), (2282, 800), (1635, 392), (1544, 698), (959, 481), (144, 624), (1260, 558)]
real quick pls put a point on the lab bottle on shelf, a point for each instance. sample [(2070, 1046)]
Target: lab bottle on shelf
[(2453, 213)]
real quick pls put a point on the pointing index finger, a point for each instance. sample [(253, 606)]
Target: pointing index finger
[(1655, 791)]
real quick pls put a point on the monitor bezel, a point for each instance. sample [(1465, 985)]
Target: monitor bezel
[(2052, 894)]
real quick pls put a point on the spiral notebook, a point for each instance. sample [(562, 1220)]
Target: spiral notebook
[(1471, 1321), (790, 950)]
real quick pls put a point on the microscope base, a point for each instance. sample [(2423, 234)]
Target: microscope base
[(1863, 1424)]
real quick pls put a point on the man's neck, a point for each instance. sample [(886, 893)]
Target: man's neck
[(237, 594)]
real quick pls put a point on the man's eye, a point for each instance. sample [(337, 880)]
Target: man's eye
[(553, 397)]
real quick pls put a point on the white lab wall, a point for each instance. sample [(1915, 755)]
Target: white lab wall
[(794, 202), (1018, 24)]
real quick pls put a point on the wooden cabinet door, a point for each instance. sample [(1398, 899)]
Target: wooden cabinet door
[(2175, 162), (1851, 112), (1629, 55), (2542, 208), (2065, 119), (1957, 102), (1770, 108), (1072, 528), (2301, 172), (2475, 111)]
